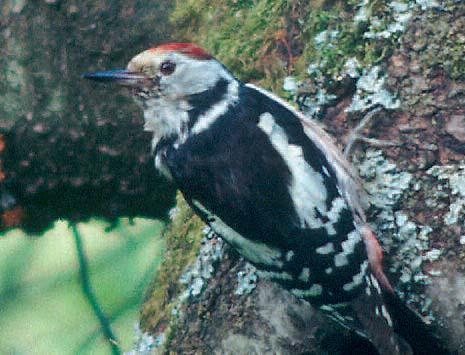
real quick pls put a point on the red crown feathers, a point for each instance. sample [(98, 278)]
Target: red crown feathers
[(188, 49)]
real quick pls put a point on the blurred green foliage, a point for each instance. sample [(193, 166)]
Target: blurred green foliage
[(42, 306)]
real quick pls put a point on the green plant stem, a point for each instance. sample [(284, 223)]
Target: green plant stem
[(90, 295)]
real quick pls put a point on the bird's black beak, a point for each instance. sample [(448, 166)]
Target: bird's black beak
[(119, 76)]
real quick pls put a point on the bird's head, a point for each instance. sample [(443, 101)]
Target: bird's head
[(181, 88), (172, 71)]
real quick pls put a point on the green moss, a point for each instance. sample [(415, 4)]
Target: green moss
[(182, 246), (265, 40), (445, 49), (248, 36), (350, 39)]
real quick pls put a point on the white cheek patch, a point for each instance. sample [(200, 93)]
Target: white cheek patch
[(204, 121), (307, 189), (253, 251), (167, 113), (192, 76)]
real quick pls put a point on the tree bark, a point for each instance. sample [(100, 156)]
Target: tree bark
[(71, 149)]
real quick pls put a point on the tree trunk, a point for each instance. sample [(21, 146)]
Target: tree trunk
[(71, 149)]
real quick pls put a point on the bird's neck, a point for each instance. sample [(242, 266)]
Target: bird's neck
[(166, 119), (174, 121), (178, 119)]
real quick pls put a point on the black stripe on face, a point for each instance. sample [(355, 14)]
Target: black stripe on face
[(204, 100)]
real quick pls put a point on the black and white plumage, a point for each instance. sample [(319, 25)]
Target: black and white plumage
[(269, 181)]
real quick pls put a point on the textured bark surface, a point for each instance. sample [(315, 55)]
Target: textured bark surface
[(74, 149), (261, 323), (428, 71), (267, 321)]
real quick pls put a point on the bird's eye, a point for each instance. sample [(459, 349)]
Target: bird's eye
[(167, 68)]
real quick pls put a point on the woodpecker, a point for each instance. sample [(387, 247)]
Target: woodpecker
[(273, 185)]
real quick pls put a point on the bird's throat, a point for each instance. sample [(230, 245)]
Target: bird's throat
[(166, 118)]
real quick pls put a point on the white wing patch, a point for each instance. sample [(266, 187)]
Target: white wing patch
[(338, 204), (305, 274), (348, 246), (253, 251), (314, 291), (340, 260), (307, 189), (347, 178), (273, 276), (386, 315), (375, 283), (325, 249), (289, 255), (357, 279)]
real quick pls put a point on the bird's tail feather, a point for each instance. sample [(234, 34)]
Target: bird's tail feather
[(376, 320), (407, 324), (411, 327)]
